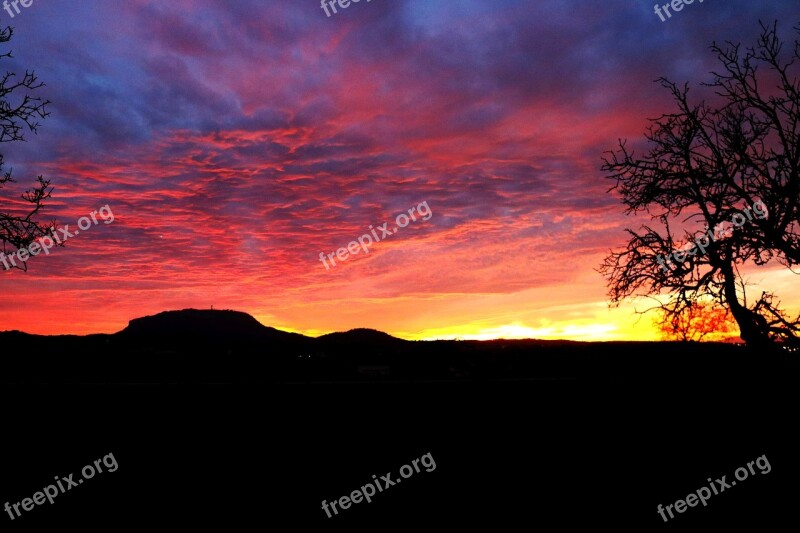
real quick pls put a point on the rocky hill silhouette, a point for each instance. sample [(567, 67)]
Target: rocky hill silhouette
[(222, 346), (359, 336), (226, 325)]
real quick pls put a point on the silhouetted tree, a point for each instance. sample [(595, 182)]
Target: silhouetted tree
[(705, 166), (18, 226)]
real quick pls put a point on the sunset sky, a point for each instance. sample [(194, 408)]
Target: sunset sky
[(235, 141)]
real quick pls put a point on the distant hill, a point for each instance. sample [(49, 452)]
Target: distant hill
[(206, 324), (359, 337), (214, 346)]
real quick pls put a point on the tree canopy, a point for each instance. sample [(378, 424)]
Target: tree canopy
[(19, 110), (720, 181)]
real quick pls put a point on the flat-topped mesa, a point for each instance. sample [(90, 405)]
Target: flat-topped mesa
[(203, 323)]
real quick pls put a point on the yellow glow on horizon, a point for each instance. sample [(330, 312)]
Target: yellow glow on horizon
[(601, 324), (516, 331), (582, 332)]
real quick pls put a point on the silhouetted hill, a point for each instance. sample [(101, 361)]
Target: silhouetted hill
[(206, 324), (230, 346), (359, 336)]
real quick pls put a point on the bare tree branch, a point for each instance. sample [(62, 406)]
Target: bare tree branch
[(19, 227)]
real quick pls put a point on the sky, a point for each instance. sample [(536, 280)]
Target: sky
[(236, 141)]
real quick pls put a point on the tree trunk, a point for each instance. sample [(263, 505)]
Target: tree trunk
[(752, 326)]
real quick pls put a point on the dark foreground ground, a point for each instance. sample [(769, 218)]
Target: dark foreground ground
[(523, 435)]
